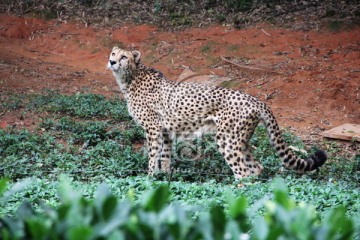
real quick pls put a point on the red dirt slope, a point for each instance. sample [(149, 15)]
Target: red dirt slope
[(313, 82)]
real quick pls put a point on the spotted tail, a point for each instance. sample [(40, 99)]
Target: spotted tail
[(290, 160)]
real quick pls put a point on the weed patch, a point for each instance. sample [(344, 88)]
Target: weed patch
[(91, 140)]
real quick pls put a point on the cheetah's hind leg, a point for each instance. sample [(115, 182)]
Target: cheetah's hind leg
[(246, 133), (254, 166), (233, 155)]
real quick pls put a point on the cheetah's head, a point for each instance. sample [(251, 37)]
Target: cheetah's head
[(123, 61)]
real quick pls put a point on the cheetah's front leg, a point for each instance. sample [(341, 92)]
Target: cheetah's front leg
[(166, 152), (154, 142)]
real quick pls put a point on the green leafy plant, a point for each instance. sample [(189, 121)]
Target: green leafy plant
[(27, 154), (154, 218), (80, 105), (104, 147)]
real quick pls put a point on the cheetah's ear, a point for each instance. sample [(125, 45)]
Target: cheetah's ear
[(137, 56), (115, 47)]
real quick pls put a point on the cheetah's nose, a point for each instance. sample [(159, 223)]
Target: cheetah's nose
[(112, 62)]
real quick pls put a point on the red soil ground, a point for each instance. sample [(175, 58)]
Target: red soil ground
[(313, 82)]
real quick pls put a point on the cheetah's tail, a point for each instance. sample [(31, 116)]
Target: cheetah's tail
[(313, 162), (290, 160)]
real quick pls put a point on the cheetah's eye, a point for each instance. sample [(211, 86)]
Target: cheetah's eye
[(123, 57), (113, 54)]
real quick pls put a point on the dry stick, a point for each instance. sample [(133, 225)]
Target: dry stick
[(260, 84), (162, 56), (247, 67), (266, 33), (191, 76)]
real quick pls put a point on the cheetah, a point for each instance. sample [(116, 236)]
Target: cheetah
[(166, 108)]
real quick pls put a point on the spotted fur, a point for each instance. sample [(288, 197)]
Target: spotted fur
[(165, 108)]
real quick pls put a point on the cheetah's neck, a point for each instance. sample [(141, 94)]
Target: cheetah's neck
[(122, 81)]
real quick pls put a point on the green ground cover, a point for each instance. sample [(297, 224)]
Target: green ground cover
[(90, 140)]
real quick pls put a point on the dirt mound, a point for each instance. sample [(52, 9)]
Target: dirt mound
[(14, 27), (304, 15), (312, 79)]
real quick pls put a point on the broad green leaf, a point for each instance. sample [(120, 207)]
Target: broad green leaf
[(339, 224), (238, 207), (205, 227), (15, 188), (238, 211), (116, 235), (101, 195), (37, 228), (62, 211), (260, 229), (280, 185), (218, 220), (102, 192), (303, 220), (109, 207), (25, 210), (119, 218), (3, 184), (157, 199), (66, 192), (282, 198), (5, 234), (232, 231), (80, 233)]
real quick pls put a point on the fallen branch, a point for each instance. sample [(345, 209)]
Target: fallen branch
[(4, 66), (162, 56), (260, 84), (246, 67), (189, 77)]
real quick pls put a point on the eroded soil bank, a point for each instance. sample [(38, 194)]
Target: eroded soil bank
[(312, 80)]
